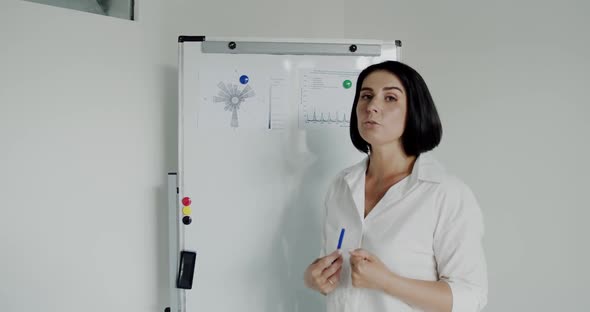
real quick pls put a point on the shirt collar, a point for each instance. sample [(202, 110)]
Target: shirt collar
[(426, 168)]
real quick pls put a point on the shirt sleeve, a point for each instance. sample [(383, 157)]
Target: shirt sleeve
[(458, 248)]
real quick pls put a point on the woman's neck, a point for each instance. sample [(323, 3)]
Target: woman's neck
[(389, 161)]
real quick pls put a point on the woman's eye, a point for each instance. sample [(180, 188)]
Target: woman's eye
[(366, 97), (390, 98)]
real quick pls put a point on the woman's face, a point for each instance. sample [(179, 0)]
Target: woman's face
[(381, 109)]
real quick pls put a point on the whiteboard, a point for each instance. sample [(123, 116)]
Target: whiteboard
[(263, 129)]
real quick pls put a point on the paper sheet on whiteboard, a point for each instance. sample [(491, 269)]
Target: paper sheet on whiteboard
[(326, 97), (242, 98)]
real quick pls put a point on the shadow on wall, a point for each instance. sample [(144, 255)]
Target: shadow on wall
[(169, 116)]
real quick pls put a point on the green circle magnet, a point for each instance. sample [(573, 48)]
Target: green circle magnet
[(347, 84)]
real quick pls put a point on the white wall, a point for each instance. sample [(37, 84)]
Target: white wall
[(87, 127), (84, 119)]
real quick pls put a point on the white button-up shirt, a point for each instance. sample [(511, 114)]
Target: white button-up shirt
[(428, 226)]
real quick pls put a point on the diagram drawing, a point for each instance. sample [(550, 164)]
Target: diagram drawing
[(233, 97)]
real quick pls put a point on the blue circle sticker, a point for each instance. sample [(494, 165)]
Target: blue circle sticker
[(244, 79)]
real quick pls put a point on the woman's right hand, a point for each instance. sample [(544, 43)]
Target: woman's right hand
[(323, 274)]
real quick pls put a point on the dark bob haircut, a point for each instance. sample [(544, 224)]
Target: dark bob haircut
[(423, 130)]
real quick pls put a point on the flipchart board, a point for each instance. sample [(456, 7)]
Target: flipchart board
[(263, 129)]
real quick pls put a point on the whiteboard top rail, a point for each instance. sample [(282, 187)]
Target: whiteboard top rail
[(292, 46)]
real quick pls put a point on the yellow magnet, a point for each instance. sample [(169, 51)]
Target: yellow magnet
[(186, 210)]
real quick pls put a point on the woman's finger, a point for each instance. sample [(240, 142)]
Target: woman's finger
[(332, 268), (329, 259), (354, 260), (336, 276), (322, 279), (362, 253), (320, 265), (332, 282)]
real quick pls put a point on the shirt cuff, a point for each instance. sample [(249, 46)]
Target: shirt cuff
[(466, 298)]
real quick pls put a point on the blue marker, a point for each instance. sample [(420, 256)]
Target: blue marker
[(340, 239)]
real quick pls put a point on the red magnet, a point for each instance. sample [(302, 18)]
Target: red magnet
[(186, 201)]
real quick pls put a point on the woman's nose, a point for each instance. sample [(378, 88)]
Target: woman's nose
[(372, 106)]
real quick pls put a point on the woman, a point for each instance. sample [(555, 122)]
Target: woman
[(413, 232)]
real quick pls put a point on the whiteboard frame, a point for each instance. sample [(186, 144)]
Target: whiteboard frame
[(249, 45)]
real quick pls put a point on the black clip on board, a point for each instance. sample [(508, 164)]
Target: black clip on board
[(186, 270)]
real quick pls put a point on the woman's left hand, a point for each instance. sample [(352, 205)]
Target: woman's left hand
[(368, 271)]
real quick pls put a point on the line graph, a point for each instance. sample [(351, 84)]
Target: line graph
[(326, 98)]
